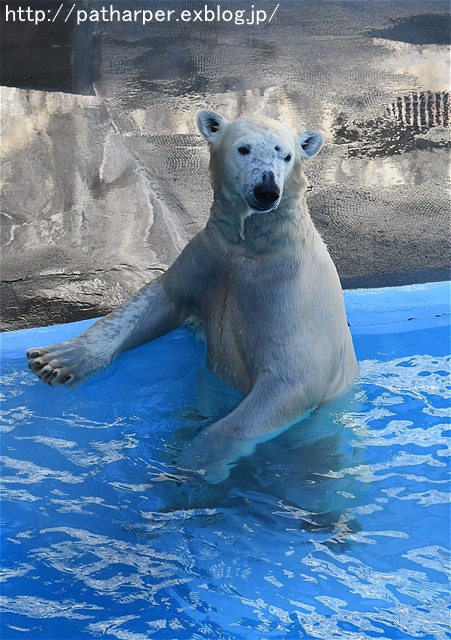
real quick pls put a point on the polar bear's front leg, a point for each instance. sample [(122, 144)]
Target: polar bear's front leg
[(270, 408), (147, 315)]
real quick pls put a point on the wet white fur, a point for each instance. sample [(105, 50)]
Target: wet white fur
[(261, 283)]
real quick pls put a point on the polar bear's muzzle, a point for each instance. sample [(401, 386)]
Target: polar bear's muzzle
[(265, 194)]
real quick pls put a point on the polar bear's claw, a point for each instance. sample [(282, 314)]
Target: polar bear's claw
[(34, 353)]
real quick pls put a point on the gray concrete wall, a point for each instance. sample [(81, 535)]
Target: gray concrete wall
[(100, 192)]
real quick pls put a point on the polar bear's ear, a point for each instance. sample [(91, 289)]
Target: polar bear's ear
[(210, 124), (310, 143)]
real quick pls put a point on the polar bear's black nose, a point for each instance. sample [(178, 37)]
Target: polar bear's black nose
[(267, 191)]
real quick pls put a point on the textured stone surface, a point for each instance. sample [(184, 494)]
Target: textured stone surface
[(100, 193), (77, 215)]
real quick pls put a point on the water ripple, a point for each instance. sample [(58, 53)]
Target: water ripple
[(33, 607), (336, 530), (29, 473)]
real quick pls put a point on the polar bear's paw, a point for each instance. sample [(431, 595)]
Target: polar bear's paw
[(65, 363), (213, 455)]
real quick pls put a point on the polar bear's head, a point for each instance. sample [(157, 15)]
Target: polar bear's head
[(252, 159)]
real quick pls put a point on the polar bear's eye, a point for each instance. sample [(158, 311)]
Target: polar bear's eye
[(287, 158), (244, 150)]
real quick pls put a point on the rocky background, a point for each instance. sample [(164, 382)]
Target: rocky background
[(105, 178)]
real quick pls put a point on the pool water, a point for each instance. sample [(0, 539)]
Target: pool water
[(339, 528)]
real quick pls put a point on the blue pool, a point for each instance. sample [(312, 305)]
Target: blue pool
[(337, 529)]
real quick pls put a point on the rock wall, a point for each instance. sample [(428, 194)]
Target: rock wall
[(78, 214), (101, 192)]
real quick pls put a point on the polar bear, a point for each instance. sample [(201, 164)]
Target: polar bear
[(261, 282)]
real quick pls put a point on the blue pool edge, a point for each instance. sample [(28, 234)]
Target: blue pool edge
[(369, 311)]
